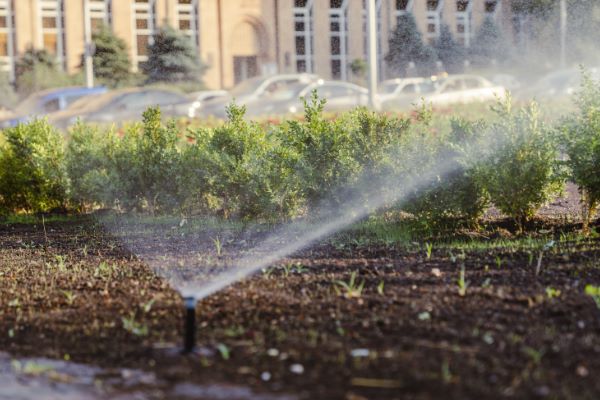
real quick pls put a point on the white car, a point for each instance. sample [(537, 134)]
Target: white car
[(339, 96), (463, 89), (404, 86), (252, 90), (203, 97)]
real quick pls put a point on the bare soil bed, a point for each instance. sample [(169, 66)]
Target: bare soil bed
[(295, 332)]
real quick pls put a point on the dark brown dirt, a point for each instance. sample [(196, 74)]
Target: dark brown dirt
[(408, 335)]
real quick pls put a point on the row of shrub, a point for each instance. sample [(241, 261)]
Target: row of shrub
[(251, 171)]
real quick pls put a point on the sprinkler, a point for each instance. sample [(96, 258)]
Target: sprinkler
[(189, 328)]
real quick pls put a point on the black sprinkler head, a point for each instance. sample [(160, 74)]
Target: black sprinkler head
[(189, 328)]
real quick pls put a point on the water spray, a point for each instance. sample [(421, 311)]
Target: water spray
[(189, 327)]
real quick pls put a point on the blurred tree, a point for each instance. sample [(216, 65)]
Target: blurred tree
[(406, 46), (9, 97), (450, 53), (38, 70), (172, 58), (489, 45), (111, 60)]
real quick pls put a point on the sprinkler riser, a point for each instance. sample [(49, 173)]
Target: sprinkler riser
[(189, 328)]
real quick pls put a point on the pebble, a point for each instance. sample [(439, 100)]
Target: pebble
[(436, 272), (273, 352), (582, 371), (297, 369), (360, 353), (265, 376)]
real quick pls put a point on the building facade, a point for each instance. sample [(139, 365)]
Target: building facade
[(237, 39)]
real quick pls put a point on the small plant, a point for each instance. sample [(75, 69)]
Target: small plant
[(462, 284), (380, 288), (351, 288), (224, 351), (499, 262), (428, 249), (552, 293), (218, 245), (148, 306), (594, 292), (69, 296), (133, 326)]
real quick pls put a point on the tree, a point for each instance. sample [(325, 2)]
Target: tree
[(489, 44), (38, 70), (111, 61), (172, 58), (449, 52), (406, 46)]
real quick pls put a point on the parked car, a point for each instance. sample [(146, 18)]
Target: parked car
[(404, 86), (463, 89), (253, 90), (289, 99), (124, 105), (202, 97), (395, 92), (508, 81), (48, 101), (559, 83)]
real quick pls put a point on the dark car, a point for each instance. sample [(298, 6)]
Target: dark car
[(124, 105), (49, 101)]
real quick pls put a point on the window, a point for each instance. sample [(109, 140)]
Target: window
[(403, 7), (464, 21), (491, 7), (304, 35), (434, 18), (7, 37), (52, 33), (144, 14), (380, 60), (187, 19), (100, 13), (338, 38)]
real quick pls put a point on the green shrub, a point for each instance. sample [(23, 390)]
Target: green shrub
[(239, 170), (88, 162), (32, 170), (519, 167), (581, 142), (147, 161), (457, 197)]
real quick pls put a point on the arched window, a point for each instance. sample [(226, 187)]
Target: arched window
[(144, 16), (52, 32)]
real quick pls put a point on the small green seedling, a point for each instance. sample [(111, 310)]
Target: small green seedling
[(218, 245), (351, 288), (499, 262), (462, 284), (552, 293), (428, 250), (224, 351), (148, 306), (594, 292), (380, 288), (70, 296), (132, 326)]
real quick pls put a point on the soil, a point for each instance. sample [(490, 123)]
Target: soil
[(74, 293)]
